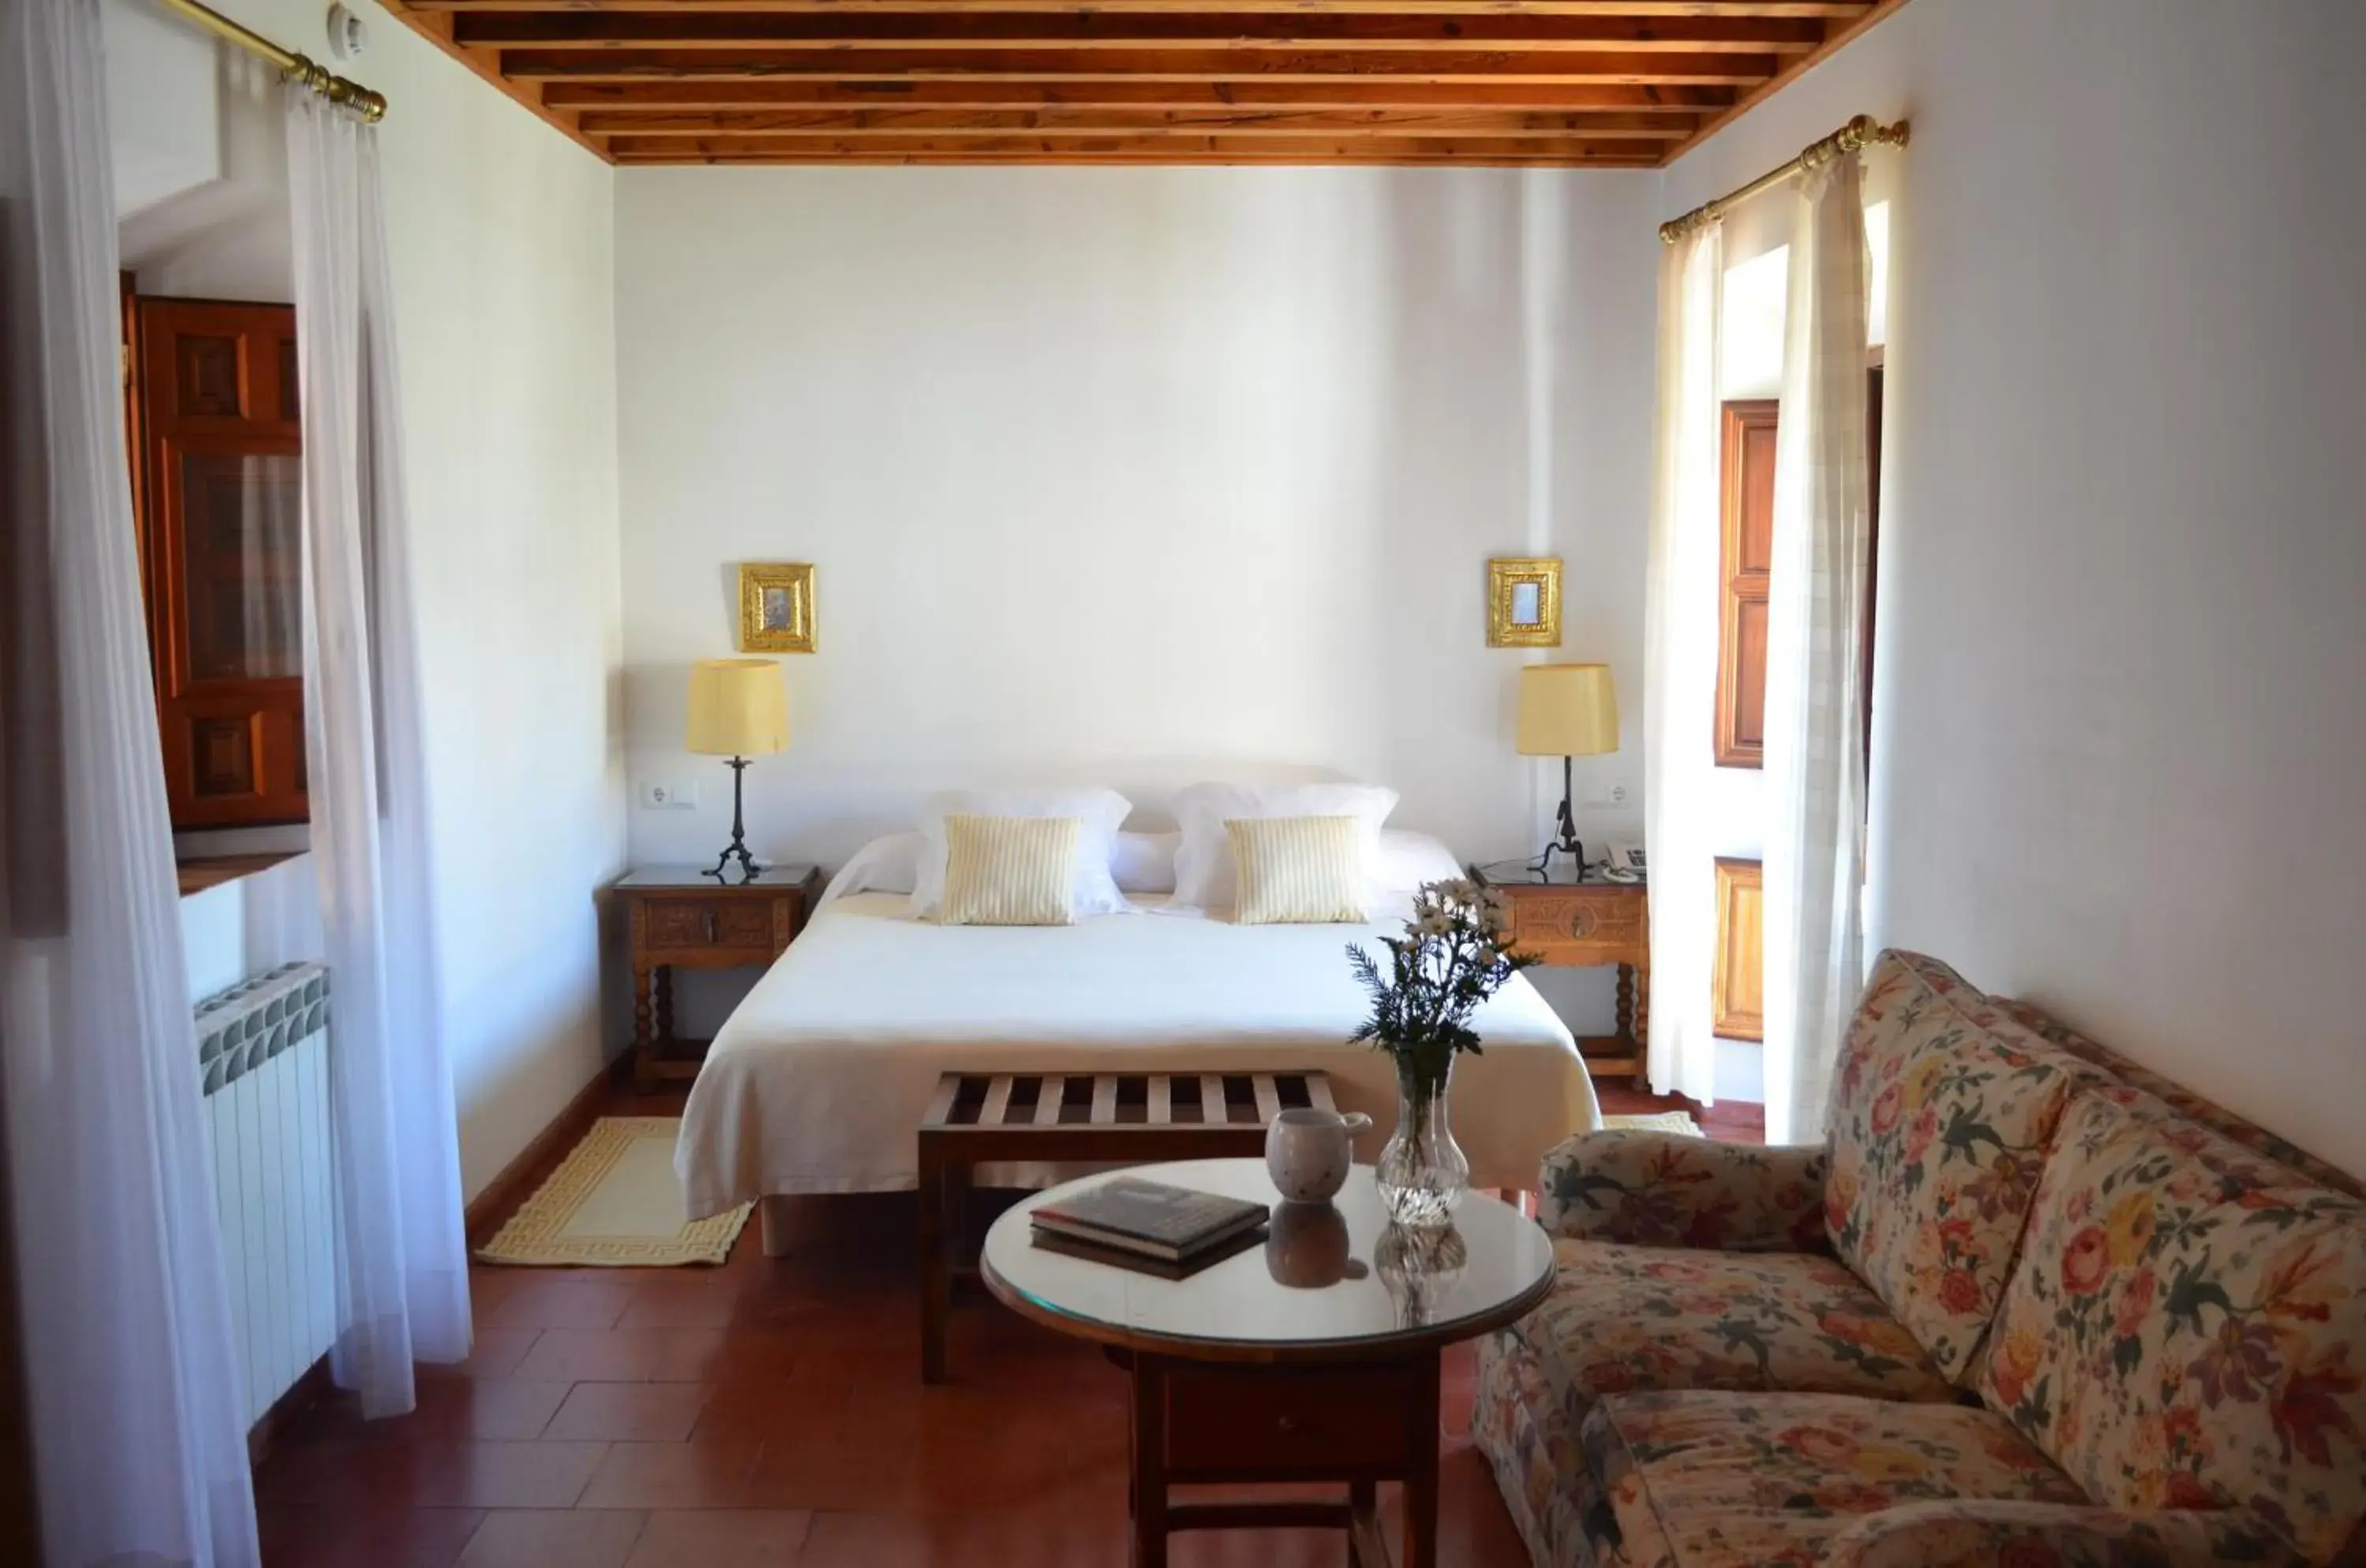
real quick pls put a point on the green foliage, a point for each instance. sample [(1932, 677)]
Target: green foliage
[(1456, 954)]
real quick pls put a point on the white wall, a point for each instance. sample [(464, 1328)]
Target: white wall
[(1136, 476), (502, 234), (236, 929), (2117, 731), (200, 156)]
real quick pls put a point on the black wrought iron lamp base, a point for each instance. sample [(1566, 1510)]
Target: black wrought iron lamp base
[(748, 869), (1565, 841)]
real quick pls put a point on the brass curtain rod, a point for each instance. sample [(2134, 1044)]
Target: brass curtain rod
[(1862, 131), (370, 104)]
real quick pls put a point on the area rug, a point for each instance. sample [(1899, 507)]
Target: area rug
[(613, 1202), (1654, 1122)]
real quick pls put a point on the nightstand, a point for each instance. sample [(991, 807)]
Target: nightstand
[(681, 918), (1573, 922)]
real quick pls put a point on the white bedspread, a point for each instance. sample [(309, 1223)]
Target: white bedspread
[(817, 1082)]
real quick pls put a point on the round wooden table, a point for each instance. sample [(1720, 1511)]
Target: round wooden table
[(1312, 1357)]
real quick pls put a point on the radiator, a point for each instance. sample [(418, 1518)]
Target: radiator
[(263, 1050)]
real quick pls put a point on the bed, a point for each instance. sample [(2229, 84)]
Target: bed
[(818, 1080)]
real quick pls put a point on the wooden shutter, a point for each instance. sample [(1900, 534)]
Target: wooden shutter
[(1746, 556), (222, 493), (1737, 978)]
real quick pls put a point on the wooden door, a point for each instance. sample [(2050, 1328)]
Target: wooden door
[(223, 490)]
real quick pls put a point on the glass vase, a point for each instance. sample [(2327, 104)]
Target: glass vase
[(1419, 1266), (1423, 1174)]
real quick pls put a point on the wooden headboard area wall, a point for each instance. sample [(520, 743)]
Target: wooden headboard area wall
[(1577, 84)]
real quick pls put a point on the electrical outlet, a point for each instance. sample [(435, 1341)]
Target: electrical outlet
[(1617, 795), (663, 796)]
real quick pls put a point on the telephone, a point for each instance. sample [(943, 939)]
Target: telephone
[(1625, 863)]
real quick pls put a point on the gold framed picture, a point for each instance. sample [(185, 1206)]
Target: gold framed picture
[(776, 607), (1524, 602)]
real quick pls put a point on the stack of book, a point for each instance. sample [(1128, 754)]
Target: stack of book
[(1148, 1226)]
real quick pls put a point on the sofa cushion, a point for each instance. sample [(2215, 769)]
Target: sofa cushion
[(1625, 1318), (1729, 1480), (2187, 1327), (1985, 1534), (1942, 1110), (2183, 1100)]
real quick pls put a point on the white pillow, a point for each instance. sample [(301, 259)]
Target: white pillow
[(891, 864), (1099, 810), (1144, 863), (1406, 860), (1203, 861)]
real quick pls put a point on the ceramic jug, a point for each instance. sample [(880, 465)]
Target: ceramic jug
[(1307, 1152)]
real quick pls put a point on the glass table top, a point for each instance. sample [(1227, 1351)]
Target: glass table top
[(698, 876), (1564, 874), (1332, 1275)]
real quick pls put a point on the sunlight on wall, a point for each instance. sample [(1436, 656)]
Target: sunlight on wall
[(1757, 300)]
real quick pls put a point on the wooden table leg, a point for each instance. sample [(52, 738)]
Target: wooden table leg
[(663, 982), (1148, 1492), (1366, 1549), (644, 1029), (1627, 1003), (936, 1275), (1421, 1469), (1642, 1025)]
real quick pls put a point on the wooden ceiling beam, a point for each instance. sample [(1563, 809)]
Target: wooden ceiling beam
[(1811, 9), (1137, 122), (1393, 160), (1152, 65), (1678, 101), (1086, 29), (1600, 84), (1304, 148), (1836, 36)]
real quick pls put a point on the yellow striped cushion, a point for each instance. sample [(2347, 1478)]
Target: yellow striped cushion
[(1011, 870), (1298, 870)]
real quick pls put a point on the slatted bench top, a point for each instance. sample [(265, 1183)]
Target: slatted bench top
[(977, 1119), (1150, 1103)]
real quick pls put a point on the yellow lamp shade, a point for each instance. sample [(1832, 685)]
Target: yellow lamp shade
[(1567, 710), (739, 707)]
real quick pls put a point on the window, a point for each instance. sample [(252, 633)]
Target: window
[(218, 489)]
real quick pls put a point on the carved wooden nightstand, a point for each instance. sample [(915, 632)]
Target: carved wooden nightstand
[(1571, 922), (681, 917)]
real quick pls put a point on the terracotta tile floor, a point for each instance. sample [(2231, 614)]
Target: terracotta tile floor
[(768, 1412)]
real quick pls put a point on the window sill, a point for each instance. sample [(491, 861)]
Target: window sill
[(200, 873)]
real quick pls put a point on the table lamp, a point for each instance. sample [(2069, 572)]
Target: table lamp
[(739, 709), (1566, 710)]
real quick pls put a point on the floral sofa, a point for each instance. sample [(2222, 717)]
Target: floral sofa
[(2029, 1304)]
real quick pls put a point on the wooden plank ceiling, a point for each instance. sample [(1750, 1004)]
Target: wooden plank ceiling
[(1585, 83)]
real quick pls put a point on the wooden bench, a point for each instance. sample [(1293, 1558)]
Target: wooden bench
[(1102, 1118)]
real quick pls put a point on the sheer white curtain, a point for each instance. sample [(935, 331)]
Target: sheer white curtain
[(406, 1277), (1815, 660), (139, 1451), (1680, 667)]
